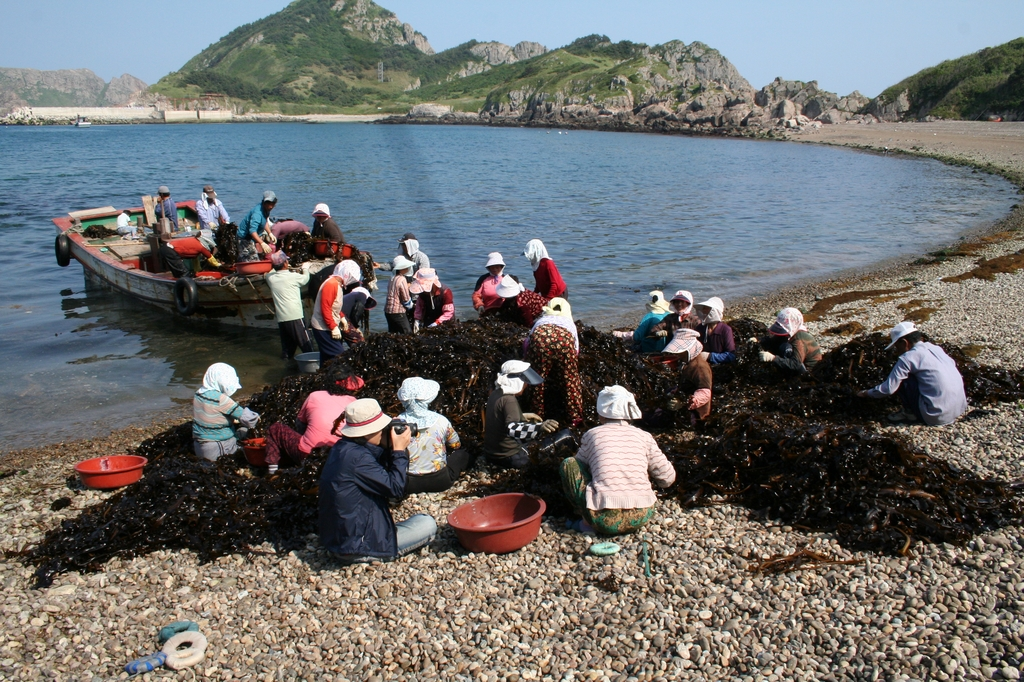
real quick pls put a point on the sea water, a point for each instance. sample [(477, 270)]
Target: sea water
[(620, 214)]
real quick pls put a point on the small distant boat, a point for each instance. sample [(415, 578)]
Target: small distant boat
[(81, 122)]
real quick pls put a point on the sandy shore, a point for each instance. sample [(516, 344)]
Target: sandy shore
[(946, 613)]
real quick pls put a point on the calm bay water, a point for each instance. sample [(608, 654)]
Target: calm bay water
[(620, 214)]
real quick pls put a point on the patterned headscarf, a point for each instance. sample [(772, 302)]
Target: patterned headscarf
[(348, 271), (685, 341), (221, 377), (416, 393)]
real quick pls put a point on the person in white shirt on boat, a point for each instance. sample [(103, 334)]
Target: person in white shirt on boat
[(211, 211), (124, 225)]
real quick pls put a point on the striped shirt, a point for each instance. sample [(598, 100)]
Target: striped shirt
[(623, 459), (212, 412)]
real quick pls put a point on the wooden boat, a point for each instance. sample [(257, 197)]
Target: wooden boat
[(133, 268), (81, 122)]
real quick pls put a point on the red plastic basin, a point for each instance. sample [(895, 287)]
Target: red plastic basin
[(255, 451), (111, 472), (259, 267), (212, 274), (499, 523), (323, 248)]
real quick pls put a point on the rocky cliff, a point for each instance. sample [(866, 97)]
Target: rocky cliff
[(378, 25), (65, 88)]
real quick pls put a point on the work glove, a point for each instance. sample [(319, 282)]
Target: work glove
[(336, 333), (752, 340), (271, 469), (532, 418), (766, 356), (661, 333), (416, 327), (706, 355), (548, 426), (270, 236), (690, 405), (266, 247), (622, 335), (432, 325), (480, 310), (344, 324), (675, 404)]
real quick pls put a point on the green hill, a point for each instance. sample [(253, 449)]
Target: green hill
[(988, 82), (323, 56)]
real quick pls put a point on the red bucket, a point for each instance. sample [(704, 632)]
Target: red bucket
[(323, 248), (256, 451), (499, 523), (347, 250), (111, 472)]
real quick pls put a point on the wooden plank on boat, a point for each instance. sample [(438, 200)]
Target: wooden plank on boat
[(149, 208), (129, 250), (89, 212)]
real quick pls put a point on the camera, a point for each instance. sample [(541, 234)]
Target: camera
[(400, 426)]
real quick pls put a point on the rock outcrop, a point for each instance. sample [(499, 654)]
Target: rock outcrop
[(78, 87), (494, 54), (379, 25)]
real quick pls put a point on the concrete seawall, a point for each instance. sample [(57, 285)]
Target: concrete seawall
[(67, 115)]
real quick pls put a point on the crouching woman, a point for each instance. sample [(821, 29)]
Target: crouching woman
[(608, 482), (218, 422), (363, 471)]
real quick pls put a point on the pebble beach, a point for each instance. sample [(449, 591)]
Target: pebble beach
[(552, 611)]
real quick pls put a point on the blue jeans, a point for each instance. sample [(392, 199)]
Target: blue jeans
[(413, 533)]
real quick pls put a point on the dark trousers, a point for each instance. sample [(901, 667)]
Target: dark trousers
[(439, 481), (283, 443), (294, 335), (910, 396), (398, 323), (172, 261)]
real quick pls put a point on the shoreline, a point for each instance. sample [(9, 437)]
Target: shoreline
[(945, 613)]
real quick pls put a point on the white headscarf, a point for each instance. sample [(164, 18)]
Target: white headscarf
[(412, 246), (535, 252), (221, 377), (348, 271), (658, 304), (415, 394), (715, 310), (510, 385), (789, 320), (615, 402)]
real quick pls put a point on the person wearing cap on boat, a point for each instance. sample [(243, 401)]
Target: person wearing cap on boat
[(681, 316), (218, 422), (640, 339), (165, 208), (324, 226), (124, 225), (552, 348), (519, 305), (694, 375), (789, 346), (286, 290), (365, 469), (399, 301), (608, 481), (549, 282), (485, 295), (715, 335), (318, 422), (254, 235), (436, 457), (926, 380), (330, 325), (409, 247), (211, 212), (506, 426), (435, 303)]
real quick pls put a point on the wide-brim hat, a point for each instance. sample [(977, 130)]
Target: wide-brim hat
[(401, 263), (899, 331), (685, 341), (424, 281), (322, 209), (494, 258), (508, 287), (364, 417)]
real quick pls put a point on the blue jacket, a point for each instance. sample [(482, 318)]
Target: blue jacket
[(254, 222), (167, 208), (640, 341), (354, 492)]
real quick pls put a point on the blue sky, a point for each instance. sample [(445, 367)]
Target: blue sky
[(845, 46)]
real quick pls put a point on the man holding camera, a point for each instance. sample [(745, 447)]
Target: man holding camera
[(366, 467)]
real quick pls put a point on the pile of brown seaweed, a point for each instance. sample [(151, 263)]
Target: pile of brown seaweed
[(803, 449), (98, 232), (226, 239)]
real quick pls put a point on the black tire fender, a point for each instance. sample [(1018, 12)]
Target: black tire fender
[(62, 249), (186, 296)]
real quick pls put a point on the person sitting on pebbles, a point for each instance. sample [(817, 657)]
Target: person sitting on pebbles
[(681, 305), (639, 339), (506, 426), (789, 346), (436, 457), (315, 425), (435, 303), (215, 415), (716, 336), (365, 469), (608, 482), (926, 380), (695, 378)]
